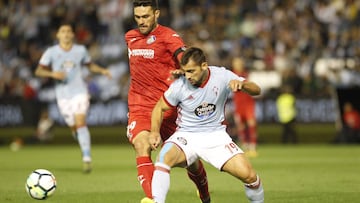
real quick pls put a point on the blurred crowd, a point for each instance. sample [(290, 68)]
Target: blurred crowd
[(312, 44), (28, 27)]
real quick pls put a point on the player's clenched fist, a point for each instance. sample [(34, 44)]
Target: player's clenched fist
[(154, 140)]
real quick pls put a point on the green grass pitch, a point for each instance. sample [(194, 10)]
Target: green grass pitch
[(290, 173)]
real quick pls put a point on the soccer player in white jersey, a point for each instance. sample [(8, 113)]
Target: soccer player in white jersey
[(200, 98), (63, 62)]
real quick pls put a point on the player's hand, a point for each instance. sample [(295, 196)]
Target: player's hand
[(175, 74), (58, 75), (154, 140), (235, 85), (107, 73)]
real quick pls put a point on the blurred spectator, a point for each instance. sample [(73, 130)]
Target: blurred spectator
[(351, 128), (273, 34), (292, 79), (286, 107)]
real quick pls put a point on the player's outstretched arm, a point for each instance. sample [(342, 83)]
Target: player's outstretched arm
[(42, 71), (246, 86), (97, 69), (251, 88)]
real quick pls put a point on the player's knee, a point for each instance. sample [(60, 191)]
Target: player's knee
[(254, 183), (243, 172), (80, 120), (249, 177), (142, 147)]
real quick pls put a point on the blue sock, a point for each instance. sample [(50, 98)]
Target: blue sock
[(84, 140)]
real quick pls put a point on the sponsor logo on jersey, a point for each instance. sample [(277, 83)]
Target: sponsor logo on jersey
[(146, 53), (205, 110), (151, 39)]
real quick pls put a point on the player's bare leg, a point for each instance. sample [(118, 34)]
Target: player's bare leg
[(144, 164), (196, 172), (83, 137), (239, 167), (169, 157)]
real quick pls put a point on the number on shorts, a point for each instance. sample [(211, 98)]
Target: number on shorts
[(129, 128), (232, 147)]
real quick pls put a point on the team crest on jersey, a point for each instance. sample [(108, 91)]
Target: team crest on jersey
[(67, 66), (151, 39), (205, 110), (182, 140)]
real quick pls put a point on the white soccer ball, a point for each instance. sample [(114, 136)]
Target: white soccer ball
[(40, 184)]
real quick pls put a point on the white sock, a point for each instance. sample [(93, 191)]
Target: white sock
[(254, 191), (160, 183), (83, 136)]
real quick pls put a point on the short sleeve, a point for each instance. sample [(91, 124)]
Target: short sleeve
[(87, 57), (172, 95), (45, 59)]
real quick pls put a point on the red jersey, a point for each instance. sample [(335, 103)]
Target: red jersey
[(352, 119), (151, 58), (244, 103)]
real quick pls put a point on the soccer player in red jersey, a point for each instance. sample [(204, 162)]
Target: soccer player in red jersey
[(351, 119), (244, 114), (154, 52)]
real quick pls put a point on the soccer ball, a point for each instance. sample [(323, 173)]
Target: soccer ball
[(40, 184)]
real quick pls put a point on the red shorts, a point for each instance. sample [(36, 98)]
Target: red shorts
[(138, 122), (245, 114)]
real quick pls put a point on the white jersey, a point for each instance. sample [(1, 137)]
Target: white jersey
[(201, 108), (70, 62)]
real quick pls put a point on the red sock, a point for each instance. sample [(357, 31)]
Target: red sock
[(242, 135), (145, 169), (200, 180), (252, 135)]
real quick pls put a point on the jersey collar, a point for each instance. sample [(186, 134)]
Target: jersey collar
[(207, 79)]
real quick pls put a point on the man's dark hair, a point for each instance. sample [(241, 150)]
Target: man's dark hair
[(196, 54), (153, 3), (66, 23)]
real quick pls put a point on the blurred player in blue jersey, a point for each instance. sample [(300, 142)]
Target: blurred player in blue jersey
[(200, 98), (63, 63)]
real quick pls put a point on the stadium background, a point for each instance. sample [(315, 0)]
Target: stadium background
[(313, 46)]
